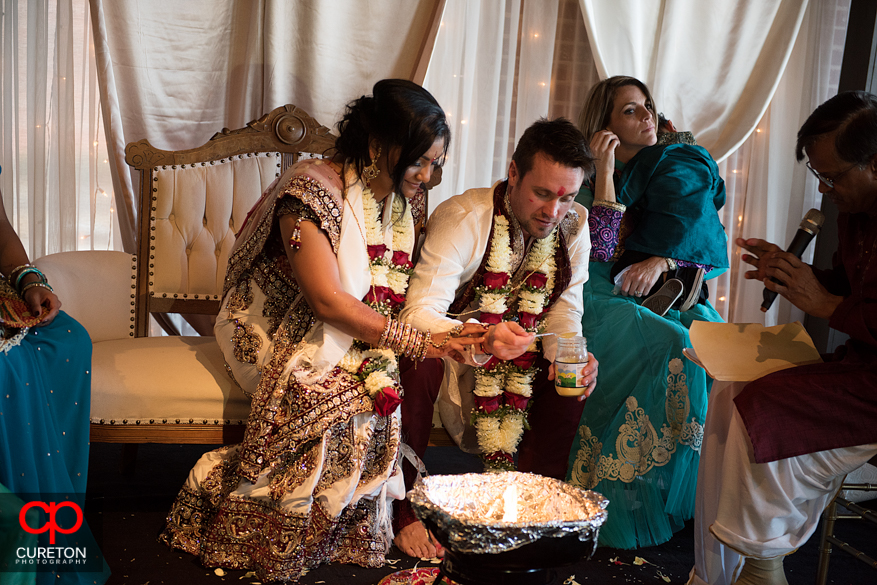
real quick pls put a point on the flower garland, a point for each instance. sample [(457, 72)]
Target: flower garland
[(503, 388), (390, 270)]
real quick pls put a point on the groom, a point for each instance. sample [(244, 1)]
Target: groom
[(514, 257)]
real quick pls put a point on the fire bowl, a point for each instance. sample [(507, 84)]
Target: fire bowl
[(508, 523)]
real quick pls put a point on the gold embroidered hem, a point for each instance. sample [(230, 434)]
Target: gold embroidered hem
[(259, 535), (638, 448), (320, 499)]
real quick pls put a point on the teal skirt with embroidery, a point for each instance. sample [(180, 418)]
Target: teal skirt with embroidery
[(641, 430)]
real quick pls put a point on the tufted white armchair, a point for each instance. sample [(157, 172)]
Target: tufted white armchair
[(175, 389)]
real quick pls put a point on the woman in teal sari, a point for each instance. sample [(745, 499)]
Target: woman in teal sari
[(45, 386), (655, 232)]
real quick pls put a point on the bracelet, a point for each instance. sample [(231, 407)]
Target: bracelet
[(17, 268), (25, 272), (415, 344), (397, 337), (391, 334), (443, 343), (454, 332), (427, 340), (383, 340), (407, 338), (671, 264), (33, 284)]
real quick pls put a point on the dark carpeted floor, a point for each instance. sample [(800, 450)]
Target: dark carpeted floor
[(126, 512)]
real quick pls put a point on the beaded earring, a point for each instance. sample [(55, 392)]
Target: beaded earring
[(372, 171)]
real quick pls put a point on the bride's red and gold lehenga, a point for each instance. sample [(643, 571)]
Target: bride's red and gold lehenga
[(313, 479)]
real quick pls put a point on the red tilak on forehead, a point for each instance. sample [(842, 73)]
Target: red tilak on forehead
[(560, 192)]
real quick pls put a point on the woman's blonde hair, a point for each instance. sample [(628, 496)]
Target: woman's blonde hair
[(598, 106)]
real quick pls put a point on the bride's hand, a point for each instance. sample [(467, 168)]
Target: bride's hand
[(442, 345)]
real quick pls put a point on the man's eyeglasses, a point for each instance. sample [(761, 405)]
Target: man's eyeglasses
[(825, 180)]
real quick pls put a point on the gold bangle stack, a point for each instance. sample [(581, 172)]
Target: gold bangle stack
[(404, 339)]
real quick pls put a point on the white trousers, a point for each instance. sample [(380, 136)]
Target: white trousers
[(746, 509)]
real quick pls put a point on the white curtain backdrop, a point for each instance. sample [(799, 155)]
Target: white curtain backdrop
[(176, 72), (768, 191), (714, 65), (491, 71), (53, 152)]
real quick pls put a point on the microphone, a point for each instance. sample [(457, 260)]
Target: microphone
[(808, 229)]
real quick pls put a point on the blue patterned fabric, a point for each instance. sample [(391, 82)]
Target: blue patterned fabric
[(45, 386)]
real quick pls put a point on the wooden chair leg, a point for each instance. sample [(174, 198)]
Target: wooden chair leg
[(828, 519)]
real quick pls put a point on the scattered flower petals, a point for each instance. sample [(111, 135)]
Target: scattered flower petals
[(219, 572), (663, 576), (248, 574), (571, 580), (616, 561)]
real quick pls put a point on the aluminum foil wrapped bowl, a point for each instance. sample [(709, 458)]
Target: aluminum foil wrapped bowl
[(510, 520)]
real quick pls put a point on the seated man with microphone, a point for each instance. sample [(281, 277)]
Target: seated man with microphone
[(776, 451)]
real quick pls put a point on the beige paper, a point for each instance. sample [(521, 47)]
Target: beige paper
[(742, 352)]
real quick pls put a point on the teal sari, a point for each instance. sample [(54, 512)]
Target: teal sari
[(640, 434), (45, 397)]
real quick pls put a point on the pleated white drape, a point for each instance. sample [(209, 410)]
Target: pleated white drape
[(490, 69), (175, 72), (53, 153), (768, 191)]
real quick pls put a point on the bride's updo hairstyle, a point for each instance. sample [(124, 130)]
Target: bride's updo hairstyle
[(399, 114)]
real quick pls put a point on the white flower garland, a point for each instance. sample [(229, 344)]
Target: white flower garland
[(500, 259), (378, 368), (499, 427)]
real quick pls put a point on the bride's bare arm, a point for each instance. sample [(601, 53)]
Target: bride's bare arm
[(316, 270)]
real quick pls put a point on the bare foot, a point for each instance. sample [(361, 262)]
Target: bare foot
[(415, 541)]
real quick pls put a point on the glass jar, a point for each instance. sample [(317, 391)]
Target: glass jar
[(572, 357)]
